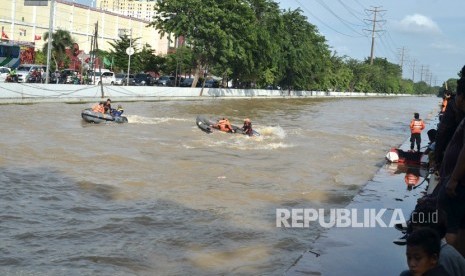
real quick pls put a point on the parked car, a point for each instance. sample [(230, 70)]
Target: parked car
[(166, 81), (187, 82), (23, 72), (4, 72), (142, 79), (121, 79), (104, 75), (212, 83)]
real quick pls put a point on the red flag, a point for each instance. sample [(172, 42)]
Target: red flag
[(37, 37), (4, 36)]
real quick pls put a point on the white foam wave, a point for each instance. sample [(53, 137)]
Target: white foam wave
[(272, 131), (136, 119)]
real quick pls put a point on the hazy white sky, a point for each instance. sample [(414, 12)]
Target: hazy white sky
[(429, 33)]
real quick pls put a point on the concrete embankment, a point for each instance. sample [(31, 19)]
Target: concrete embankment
[(367, 250), (23, 93)]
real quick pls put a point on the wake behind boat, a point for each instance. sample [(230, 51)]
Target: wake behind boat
[(207, 125), (96, 117)]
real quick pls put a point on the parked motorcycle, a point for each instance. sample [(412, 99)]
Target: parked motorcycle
[(11, 78), (33, 79)]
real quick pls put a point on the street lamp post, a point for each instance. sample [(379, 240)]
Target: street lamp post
[(49, 44), (129, 51)]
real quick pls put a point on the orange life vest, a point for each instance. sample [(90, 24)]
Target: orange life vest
[(417, 125), (98, 108), (411, 179), (225, 125)]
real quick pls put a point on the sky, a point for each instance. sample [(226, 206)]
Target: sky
[(426, 37)]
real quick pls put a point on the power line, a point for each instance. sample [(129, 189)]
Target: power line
[(350, 10), (321, 21), (363, 7), (346, 23)]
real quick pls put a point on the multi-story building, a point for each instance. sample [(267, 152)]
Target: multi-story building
[(141, 9), (21, 23)]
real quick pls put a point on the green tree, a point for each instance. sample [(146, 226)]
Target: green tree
[(148, 61), (61, 39), (361, 72), (216, 31), (451, 84), (41, 57), (421, 87), (339, 75), (304, 56), (181, 62), (407, 87), (119, 56)]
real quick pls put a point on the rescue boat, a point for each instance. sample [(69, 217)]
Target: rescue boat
[(96, 117), (396, 155), (207, 125)]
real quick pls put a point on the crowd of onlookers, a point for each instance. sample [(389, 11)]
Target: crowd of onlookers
[(436, 243)]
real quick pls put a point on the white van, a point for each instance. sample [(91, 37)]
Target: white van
[(106, 77)]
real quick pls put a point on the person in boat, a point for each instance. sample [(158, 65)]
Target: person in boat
[(224, 125), (247, 127), (117, 112), (99, 107), (107, 106), (416, 126)]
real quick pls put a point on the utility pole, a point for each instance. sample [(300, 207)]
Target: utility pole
[(375, 11), (421, 73), (50, 35), (425, 71), (402, 53), (99, 62), (413, 70)]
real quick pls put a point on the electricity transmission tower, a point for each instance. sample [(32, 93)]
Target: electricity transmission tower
[(375, 12)]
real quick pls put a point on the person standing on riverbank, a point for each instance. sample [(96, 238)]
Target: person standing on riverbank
[(416, 126)]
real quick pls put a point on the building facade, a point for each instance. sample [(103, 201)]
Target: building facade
[(141, 9), (27, 24)]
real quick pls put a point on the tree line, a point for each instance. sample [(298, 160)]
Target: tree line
[(255, 44)]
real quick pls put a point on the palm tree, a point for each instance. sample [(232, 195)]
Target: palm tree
[(61, 39)]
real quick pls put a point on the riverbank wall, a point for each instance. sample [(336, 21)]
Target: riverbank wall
[(369, 249), (26, 93)]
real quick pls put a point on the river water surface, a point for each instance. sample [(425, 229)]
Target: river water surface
[(157, 196)]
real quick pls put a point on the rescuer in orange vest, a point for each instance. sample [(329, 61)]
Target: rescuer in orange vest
[(416, 126), (99, 107), (224, 125)]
